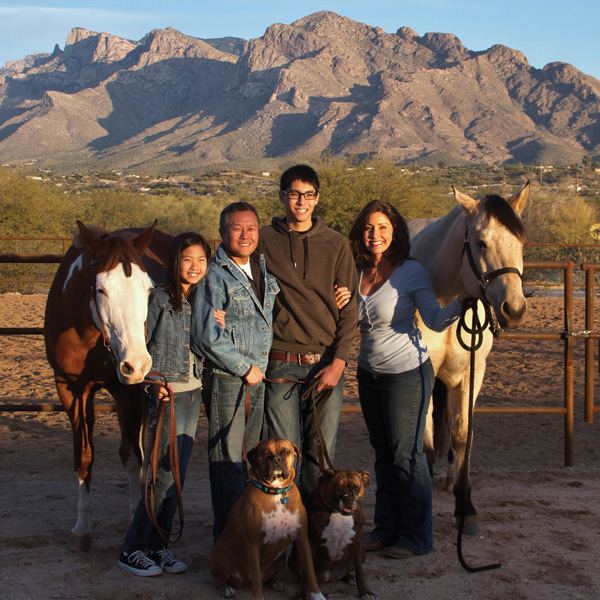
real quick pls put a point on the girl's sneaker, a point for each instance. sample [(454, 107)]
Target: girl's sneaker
[(139, 564), (167, 561)]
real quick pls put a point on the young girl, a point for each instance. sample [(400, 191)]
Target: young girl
[(145, 552)]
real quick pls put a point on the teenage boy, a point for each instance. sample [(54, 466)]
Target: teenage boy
[(311, 337), (236, 354)]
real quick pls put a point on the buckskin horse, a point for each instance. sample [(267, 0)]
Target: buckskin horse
[(94, 330), (477, 248)]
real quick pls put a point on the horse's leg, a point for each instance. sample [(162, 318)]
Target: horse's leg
[(428, 446), (436, 430), (458, 404), (130, 404), (79, 406)]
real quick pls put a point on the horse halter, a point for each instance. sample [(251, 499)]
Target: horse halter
[(485, 279), (94, 298)]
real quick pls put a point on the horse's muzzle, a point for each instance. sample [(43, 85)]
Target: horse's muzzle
[(133, 371), (511, 313)]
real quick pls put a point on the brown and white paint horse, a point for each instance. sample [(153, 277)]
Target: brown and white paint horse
[(94, 330), (492, 231)]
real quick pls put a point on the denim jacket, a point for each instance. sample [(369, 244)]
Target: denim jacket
[(246, 338), (168, 333)]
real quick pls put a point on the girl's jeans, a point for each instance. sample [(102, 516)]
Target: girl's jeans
[(141, 534)]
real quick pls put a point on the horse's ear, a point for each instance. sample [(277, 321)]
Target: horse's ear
[(518, 201), (142, 241), (469, 204), (87, 238)]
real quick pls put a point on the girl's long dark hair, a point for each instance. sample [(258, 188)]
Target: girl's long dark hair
[(178, 245), (400, 246)]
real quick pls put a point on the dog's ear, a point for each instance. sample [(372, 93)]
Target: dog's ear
[(365, 477), (251, 456), (296, 450), (326, 475)]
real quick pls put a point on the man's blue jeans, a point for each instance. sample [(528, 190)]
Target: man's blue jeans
[(225, 397), (395, 410), (141, 534), (288, 417)]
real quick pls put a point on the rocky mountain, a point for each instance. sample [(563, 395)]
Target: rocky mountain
[(322, 83)]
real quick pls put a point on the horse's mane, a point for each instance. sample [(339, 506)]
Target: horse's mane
[(119, 250), (497, 207), (115, 249)]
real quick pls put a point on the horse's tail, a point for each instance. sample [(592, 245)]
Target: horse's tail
[(441, 430)]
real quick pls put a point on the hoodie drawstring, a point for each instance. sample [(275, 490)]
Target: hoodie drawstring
[(305, 240), (291, 240)]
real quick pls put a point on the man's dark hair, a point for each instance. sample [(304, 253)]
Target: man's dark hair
[(234, 207), (173, 281), (400, 246), (301, 173)]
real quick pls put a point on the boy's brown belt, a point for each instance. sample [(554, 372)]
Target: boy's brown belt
[(307, 358)]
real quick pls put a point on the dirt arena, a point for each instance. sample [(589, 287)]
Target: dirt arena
[(539, 518)]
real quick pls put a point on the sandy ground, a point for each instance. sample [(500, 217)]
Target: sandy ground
[(539, 518)]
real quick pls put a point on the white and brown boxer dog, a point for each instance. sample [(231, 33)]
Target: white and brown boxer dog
[(335, 523), (262, 523)]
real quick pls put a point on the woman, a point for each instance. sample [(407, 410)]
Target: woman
[(145, 551), (395, 376)]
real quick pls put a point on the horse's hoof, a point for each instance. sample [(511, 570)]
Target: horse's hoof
[(471, 526), (229, 592), (367, 596), (80, 542)]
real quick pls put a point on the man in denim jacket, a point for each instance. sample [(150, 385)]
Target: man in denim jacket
[(237, 355)]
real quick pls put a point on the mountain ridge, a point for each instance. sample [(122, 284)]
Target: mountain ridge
[(324, 83)]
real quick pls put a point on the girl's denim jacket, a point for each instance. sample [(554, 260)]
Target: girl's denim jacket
[(246, 338), (168, 333)]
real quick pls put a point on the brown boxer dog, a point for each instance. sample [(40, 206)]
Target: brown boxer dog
[(335, 523), (262, 523)]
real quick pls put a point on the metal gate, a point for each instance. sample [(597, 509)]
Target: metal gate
[(567, 336)]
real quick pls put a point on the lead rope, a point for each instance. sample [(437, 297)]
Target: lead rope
[(309, 391), (152, 466), (476, 331)]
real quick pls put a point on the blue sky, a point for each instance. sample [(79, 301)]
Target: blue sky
[(545, 31)]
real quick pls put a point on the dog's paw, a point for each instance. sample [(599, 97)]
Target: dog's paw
[(229, 592), (278, 586)]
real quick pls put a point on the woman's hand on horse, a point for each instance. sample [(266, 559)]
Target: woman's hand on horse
[(254, 376), (220, 317), (342, 296)]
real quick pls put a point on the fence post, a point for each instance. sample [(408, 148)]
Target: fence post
[(568, 383)]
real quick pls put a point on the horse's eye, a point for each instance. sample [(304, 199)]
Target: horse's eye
[(101, 291), (482, 245)]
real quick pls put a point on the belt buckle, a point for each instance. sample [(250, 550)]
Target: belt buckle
[(311, 358)]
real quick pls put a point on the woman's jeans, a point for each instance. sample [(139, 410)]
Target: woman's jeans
[(395, 410), (225, 398), (141, 534)]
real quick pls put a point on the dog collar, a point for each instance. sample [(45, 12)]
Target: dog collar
[(273, 491)]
